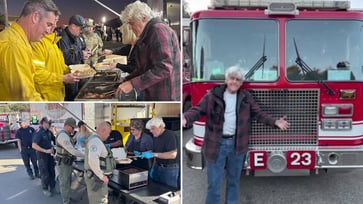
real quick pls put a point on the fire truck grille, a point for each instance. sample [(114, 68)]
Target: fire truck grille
[(301, 110)]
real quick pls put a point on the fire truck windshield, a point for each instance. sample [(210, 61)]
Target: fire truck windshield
[(221, 43), (333, 49), (4, 118)]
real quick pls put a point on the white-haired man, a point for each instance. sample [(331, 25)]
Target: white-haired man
[(229, 111), (158, 55), (165, 168)]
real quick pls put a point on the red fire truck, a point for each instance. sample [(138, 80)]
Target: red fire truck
[(302, 60), (7, 135)]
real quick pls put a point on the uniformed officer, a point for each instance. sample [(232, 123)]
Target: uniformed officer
[(98, 165), (66, 154), (25, 138), (43, 142), (93, 42)]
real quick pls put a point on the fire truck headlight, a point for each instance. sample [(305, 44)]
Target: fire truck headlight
[(330, 110), (327, 124), (344, 124), (336, 124)]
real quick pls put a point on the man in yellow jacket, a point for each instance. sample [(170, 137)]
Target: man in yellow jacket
[(50, 70), (16, 67)]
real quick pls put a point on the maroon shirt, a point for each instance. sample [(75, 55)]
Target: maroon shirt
[(212, 105), (158, 59)]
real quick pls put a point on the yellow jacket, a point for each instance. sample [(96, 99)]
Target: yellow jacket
[(49, 68), (16, 67)]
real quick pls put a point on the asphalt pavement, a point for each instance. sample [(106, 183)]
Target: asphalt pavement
[(17, 188)]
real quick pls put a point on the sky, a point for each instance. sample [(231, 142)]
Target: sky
[(85, 8)]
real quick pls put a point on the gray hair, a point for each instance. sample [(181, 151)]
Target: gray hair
[(234, 71), (138, 124), (137, 11), (155, 122), (42, 6)]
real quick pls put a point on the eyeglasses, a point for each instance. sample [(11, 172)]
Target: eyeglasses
[(133, 129)]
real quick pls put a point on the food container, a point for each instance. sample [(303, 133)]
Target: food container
[(102, 86), (131, 177), (116, 58), (82, 70), (102, 66)]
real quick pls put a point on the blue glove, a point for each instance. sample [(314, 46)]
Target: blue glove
[(147, 155), (108, 145), (137, 153), (151, 173), (80, 139)]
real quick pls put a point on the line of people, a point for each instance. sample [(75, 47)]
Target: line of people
[(55, 152), (35, 60)]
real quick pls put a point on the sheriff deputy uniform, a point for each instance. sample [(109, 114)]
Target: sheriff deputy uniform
[(66, 154), (99, 162)]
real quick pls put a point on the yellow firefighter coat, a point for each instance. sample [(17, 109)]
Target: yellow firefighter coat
[(16, 66), (49, 68)]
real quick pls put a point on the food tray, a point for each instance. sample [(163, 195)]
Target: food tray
[(83, 71), (97, 91), (107, 76), (123, 161), (102, 66)]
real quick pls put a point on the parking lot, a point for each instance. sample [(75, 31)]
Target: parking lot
[(339, 188)]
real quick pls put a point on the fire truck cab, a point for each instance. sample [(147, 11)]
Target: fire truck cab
[(301, 59)]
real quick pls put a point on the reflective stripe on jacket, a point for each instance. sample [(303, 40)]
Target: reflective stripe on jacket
[(49, 68)]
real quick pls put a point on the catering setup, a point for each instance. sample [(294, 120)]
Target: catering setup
[(132, 182), (102, 81)]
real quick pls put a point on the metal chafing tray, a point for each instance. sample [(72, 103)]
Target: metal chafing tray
[(101, 86)]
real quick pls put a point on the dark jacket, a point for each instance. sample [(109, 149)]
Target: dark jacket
[(71, 47), (131, 61), (212, 106), (158, 59)]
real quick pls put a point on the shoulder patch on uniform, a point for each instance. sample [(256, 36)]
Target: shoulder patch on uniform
[(93, 148)]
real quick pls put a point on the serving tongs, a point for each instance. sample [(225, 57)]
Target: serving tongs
[(109, 93)]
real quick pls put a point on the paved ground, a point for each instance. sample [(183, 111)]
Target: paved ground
[(17, 188)]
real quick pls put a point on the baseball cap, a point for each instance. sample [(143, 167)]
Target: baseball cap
[(78, 21), (71, 122), (45, 120), (89, 22), (80, 123)]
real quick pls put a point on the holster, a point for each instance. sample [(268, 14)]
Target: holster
[(66, 160), (96, 183)]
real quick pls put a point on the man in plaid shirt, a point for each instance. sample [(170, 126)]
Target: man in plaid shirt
[(229, 111), (157, 55)]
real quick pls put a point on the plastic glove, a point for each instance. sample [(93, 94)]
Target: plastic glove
[(151, 173), (80, 139), (137, 153), (147, 155), (108, 145)]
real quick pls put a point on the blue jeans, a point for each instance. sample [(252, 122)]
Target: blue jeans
[(167, 175), (233, 163)]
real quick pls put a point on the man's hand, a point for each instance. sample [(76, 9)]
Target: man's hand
[(125, 87), (70, 78), (147, 155), (184, 121), (106, 52), (105, 180), (282, 123), (86, 54)]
